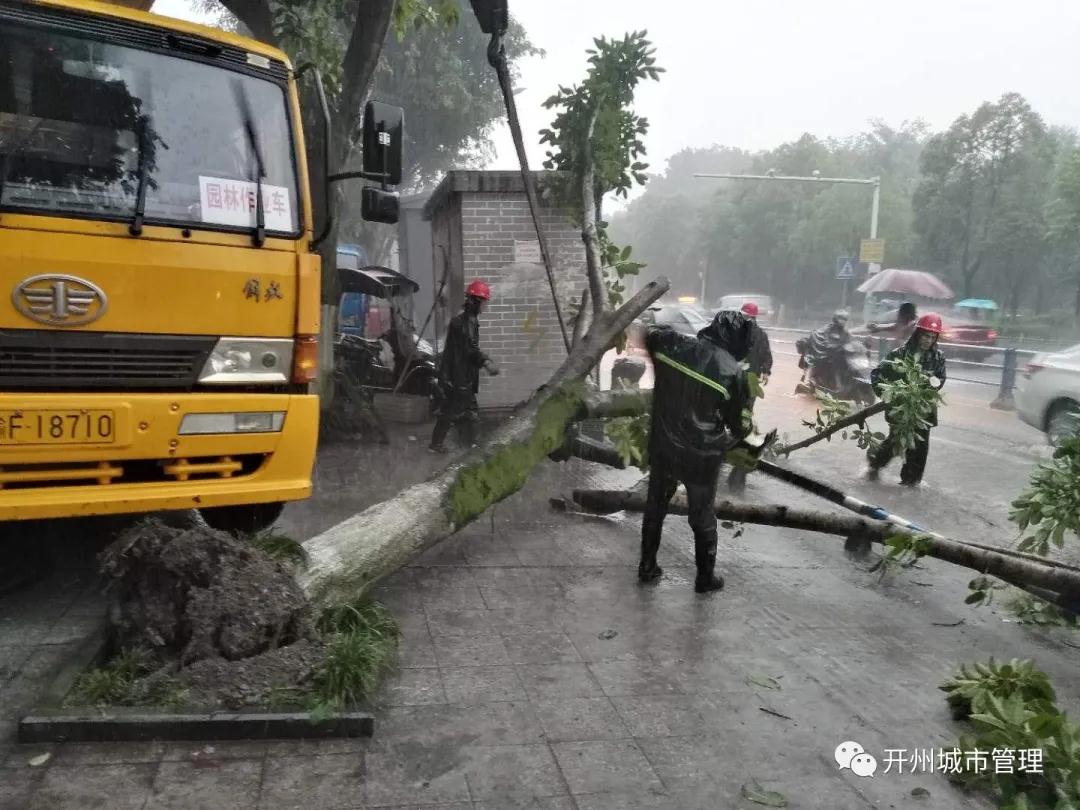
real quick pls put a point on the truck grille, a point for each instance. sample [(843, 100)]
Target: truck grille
[(51, 361)]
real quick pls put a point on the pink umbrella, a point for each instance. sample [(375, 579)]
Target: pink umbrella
[(912, 282)]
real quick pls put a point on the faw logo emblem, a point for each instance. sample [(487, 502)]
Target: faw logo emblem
[(60, 300)]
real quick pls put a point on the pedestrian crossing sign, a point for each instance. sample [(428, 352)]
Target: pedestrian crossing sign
[(845, 267)]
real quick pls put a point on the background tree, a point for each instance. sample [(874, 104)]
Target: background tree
[(344, 38), (973, 178), (781, 239), (441, 77), (1063, 222)]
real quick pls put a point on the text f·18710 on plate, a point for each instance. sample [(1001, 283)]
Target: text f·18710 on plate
[(36, 427)]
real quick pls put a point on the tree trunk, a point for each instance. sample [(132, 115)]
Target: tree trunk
[(1019, 571), (346, 559), (857, 418), (589, 236)]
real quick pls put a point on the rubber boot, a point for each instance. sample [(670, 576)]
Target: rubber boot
[(705, 558), (648, 570)]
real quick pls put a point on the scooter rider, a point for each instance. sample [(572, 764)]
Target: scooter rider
[(459, 371), (922, 348), (697, 416)]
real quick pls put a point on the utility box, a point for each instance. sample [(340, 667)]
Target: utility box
[(481, 229)]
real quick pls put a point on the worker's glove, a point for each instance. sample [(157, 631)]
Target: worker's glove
[(491, 368), (764, 380)]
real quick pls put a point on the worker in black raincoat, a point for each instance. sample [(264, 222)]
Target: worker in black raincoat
[(922, 347), (699, 395), (459, 371), (759, 361)]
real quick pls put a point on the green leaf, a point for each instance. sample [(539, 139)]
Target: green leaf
[(754, 792), (763, 681)]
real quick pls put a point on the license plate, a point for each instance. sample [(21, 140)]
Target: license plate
[(57, 427)]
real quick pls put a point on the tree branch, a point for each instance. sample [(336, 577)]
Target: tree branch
[(857, 418), (256, 16), (1018, 571), (369, 30)]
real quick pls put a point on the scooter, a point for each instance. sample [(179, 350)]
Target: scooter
[(842, 371)]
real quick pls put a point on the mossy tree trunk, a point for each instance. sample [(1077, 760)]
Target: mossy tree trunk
[(346, 559)]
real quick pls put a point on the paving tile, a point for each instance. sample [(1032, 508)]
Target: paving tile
[(12, 657), (674, 715), (17, 786), (416, 651), (471, 622), (579, 719), (110, 787), (629, 801), (540, 648), (513, 772), (512, 723), (195, 786), (412, 687), (300, 783), (410, 773), (533, 803), (470, 651), (19, 756), (473, 685), (558, 680), (606, 766), (104, 753), (452, 598), (214, 750), (637, 677)]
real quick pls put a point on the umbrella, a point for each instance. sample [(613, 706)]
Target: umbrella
[(912, 282), (977, 303)]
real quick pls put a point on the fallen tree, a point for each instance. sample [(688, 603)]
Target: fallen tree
[(349, 557), (858, 418), (1051, 580), (597, 138)]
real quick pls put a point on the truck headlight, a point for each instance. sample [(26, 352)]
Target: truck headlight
[(194, 424), (248, 360)]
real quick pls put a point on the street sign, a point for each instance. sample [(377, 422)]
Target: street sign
[(872, 251), (845, 267)]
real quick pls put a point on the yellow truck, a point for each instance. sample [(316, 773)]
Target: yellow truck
[(159, 289)]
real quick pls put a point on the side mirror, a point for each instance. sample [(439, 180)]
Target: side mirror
[(384, 127), (377, 205), (494, 16)]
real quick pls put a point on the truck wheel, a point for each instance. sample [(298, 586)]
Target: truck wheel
[(1062, 421), (244, 518)]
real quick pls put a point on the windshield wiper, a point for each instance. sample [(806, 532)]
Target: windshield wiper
[(259, 236), (136, 226)]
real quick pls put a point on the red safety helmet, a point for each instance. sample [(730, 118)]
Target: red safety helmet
[(478, 289), (750, 308), (930, 322)]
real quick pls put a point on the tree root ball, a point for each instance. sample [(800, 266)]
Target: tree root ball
[(193, 594)]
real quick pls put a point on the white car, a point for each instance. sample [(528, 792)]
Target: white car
[(1048, 393)]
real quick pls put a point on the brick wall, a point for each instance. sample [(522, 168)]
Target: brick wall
[(498, 244)]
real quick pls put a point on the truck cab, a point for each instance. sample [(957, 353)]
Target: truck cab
[(160, 296)]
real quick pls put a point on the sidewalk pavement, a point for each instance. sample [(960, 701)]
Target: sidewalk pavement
[(536, 673)]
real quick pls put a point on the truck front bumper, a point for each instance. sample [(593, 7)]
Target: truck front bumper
[(145, 463)]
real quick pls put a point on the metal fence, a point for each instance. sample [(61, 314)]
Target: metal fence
[(1000, 376)]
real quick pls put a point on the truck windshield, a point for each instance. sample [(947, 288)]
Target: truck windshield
[(81, 121)]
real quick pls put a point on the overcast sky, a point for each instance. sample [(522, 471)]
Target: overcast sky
[(754, 74)]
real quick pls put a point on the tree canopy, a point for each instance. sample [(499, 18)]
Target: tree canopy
[(991, 204)]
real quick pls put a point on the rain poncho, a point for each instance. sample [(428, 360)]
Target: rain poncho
[(932, 362), (462, 359), (699, 394), (824, 344)]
